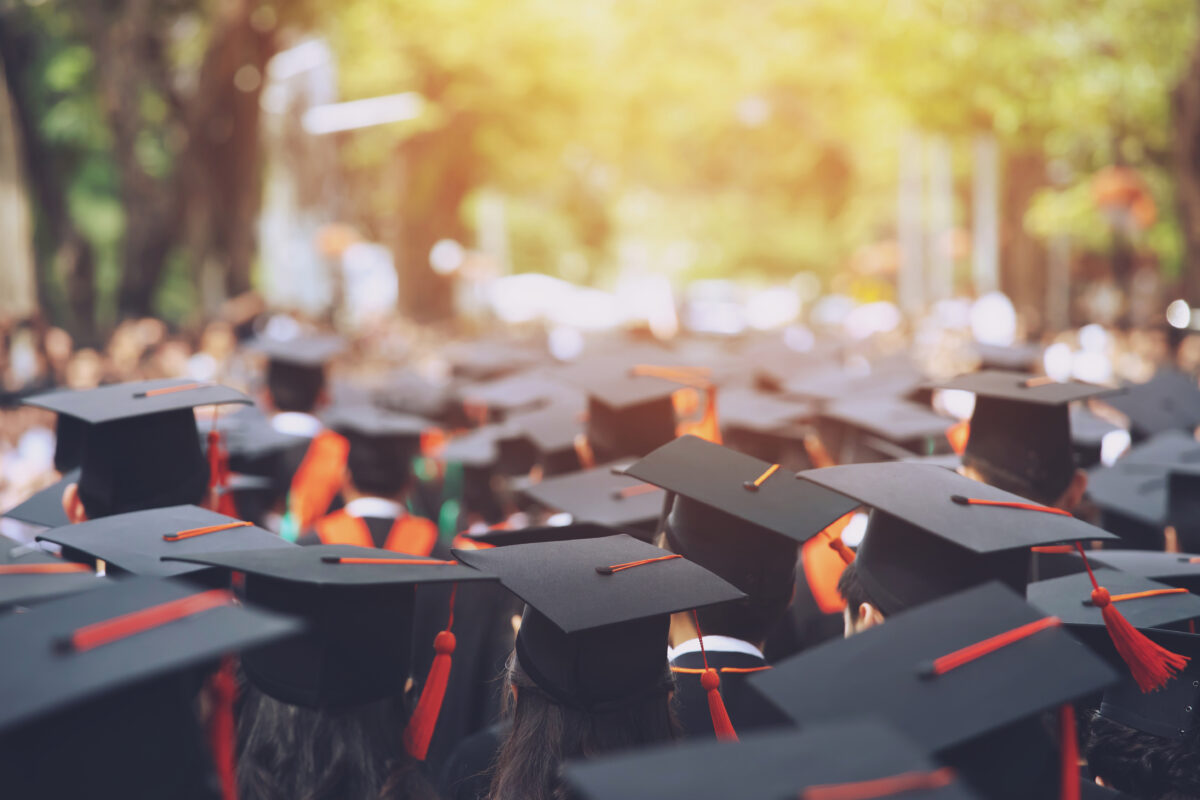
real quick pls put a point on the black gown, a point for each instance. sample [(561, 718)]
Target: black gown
[(467, 774), (747, 709)]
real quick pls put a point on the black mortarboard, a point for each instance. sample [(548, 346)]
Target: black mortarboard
[(599, 496), (1088, 433), (933, 532), (701, 473), (28, 574), (1171, 711), (841, 755), (1175, 569), (1021, 428), (597, 613), (1069, 599), (475, 448), (68, 442), (506, 537), (358, 647), (921, 673), (1009, 358), (486, 359), (408, 392), (764, 412), (140, 448), (382, 446), (1132, 499), (629, 415), (135, 542), (894, 380), (911, 427), (1169, 448), (553, 433), (524, 391), (44, 507), (1168, 401), (63, 651), (312, 351)]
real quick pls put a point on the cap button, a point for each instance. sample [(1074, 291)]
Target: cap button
[(750, 486)]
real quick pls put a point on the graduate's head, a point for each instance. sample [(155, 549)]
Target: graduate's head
[(295, 375), (932, 533), (1020, 438), (382, 448), (138, 446)]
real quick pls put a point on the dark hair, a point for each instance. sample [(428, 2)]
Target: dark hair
[(1143, 765), (381, 466), (1046, 491), (545, 734), (851, 589), (293, 387), (287, 752)]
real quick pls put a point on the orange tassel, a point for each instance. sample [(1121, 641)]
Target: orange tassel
[(710, 679), (722, 726), (222, 689), (419, 732), (1150, 664), (1069, 745)]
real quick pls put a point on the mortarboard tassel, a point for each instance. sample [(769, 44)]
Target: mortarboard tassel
[(710, 679), (222, 691), (1069, 747), (958, 435), (421, 726), (220, 500), (1151, 664), (881, 787)]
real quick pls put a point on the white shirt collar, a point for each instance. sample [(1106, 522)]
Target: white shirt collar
[(374, 507), (297, 423), (715, 644)]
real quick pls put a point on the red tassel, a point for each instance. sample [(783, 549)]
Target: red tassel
[(710, 679), (420, 728), (722, 725), (222, 690), (1150, 664), (1069, 744), (220, 500)]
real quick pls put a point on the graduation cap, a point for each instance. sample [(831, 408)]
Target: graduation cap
[(1170, 401), (1132, 499), (66, 650), (1021, 429), (1169, 448), (382, 446), (296, 367), (102, 686), (862, 755), (408, 392), (358, 604), (136, 541), (594, 632), (1169, 712), (28, 575), (628, 414), (44, 507), (506, 537), (68, 443), (1143, 602), (903, 427), (1089, 432), (140, 448), (1174, 569), (933, 532), (889, 379), (489, 358), (525, 391), (951, 675), (475, 448), (553, 433), (601, 496)]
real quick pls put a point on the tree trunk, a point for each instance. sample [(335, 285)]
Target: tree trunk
[(17, 287), (1023, 256), (1186, 119)]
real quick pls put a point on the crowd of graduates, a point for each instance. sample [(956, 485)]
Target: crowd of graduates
[(704, 568)]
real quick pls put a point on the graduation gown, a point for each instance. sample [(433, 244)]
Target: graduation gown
[(747, 710), (468, 771)]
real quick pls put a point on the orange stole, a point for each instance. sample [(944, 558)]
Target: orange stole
[(823, 566), (318, 479), (414, 535)]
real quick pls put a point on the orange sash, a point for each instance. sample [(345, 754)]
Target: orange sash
[(319, 478), (823, 567), (414, 535)]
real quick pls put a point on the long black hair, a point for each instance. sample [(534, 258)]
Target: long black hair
[(545, 733), (288, 752)]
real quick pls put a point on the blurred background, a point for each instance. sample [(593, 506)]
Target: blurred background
[(1015, 167)]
